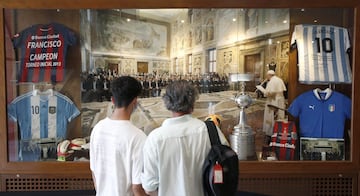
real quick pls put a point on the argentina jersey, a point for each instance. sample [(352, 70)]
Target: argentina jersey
[(322, 54), (42, 114), (43, 52)]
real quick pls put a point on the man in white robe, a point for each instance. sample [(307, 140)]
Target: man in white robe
[(274, 93)]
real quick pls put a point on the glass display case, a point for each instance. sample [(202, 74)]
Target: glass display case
[(50, 117), (59, 63)]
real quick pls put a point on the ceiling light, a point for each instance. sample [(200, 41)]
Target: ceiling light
[(302, 9), (285, 21), (315, 21), (182, 21), (234, 19), (128, 19)]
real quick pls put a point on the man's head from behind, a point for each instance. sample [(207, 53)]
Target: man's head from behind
[(180, 97), (124, 90)]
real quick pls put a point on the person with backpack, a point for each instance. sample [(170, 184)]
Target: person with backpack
[(174, 153)]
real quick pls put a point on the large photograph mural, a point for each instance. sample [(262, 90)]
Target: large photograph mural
[(113, 32), (161, 46)]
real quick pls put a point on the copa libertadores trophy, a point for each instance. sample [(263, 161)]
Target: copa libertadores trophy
[(242, 139)]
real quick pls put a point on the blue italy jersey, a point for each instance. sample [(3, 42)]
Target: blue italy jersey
[(42, 114), (322, 114), (322, 54)]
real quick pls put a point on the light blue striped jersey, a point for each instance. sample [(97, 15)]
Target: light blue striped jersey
[(42, 114), (322, 54)]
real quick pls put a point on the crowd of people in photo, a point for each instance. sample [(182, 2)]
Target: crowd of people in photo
[(95, 86)]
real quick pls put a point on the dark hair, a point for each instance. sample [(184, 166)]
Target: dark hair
[(180, 96), (124, 89)]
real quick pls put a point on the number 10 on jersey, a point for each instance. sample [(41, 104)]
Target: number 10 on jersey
[(324, 45)]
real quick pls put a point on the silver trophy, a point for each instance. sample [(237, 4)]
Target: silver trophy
[(242, 138)]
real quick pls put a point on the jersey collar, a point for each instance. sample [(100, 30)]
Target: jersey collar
[(47, 92), (327, 91)]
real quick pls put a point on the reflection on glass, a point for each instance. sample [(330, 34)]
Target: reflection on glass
[(158, 46), (202, 46)]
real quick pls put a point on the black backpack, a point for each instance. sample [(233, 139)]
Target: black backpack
[(221, 167)]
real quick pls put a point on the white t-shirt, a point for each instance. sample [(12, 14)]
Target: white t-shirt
[(116, 156), (174, 155)]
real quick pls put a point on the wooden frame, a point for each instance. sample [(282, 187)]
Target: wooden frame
[(336, 168)]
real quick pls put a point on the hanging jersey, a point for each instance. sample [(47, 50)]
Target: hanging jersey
[(322, 114), (43, 52), (42, 115), (283, 140), (322, 54)]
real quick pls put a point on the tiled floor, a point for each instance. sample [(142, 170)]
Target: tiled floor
[(152, 112)]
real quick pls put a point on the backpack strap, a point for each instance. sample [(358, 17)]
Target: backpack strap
[(213, 133)]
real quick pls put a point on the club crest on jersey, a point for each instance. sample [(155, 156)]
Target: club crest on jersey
[(331, 107), (52, 109)]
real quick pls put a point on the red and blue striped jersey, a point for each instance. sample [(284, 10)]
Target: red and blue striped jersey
[(43, 50), (283, 140)]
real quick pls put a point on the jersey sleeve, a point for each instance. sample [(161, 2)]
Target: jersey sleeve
[(293, 36), (17, 108), (346, 40), (17, 40), (69, 109), (12, 111), (347, 107), (69, 34), (294, 108), (72, 111)]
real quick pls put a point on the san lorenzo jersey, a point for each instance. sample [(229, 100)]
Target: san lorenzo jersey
[(43, 52), (322, 54), (42, 114), (322, 114)]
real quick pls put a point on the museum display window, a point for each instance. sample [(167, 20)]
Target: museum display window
[(236, 54), (59, 75)]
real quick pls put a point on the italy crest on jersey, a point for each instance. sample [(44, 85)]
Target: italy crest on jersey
[(331, 107)]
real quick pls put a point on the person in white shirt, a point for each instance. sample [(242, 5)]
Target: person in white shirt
[(116, 144), (175, 152), (274, 93)]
